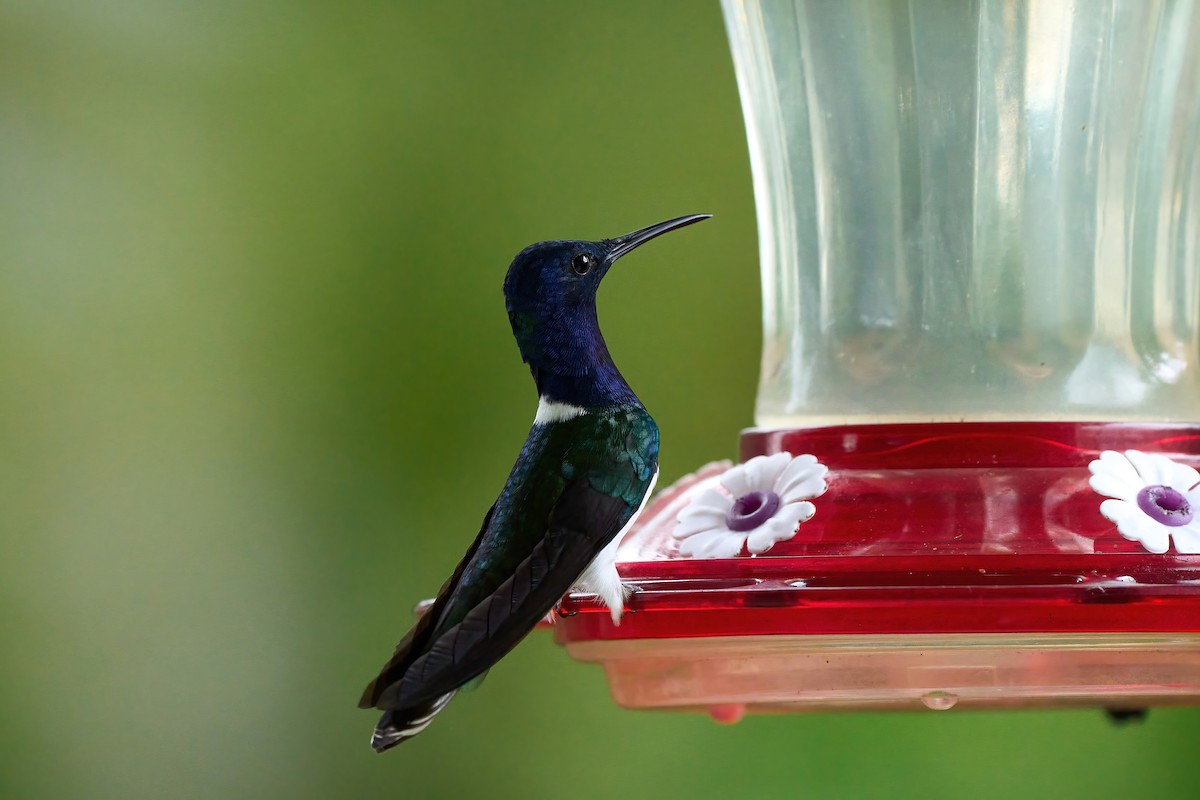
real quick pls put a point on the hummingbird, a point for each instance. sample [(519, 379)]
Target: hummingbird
[(584, 473)]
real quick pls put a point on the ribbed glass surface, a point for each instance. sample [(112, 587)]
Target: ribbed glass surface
[(974, 210)]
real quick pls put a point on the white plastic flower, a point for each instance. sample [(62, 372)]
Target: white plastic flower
[(1154, 499), (763, 502)]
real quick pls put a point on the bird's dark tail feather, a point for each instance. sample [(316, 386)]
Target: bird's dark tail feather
[(400, 725)]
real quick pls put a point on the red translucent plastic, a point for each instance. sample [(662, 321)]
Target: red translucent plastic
[(965, 488), (971, 528)]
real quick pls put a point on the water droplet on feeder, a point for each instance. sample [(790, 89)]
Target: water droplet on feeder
[(727, 713), (939, 701)]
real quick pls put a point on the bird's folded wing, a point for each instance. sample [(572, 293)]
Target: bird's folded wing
[(418, 637), (582, 522)]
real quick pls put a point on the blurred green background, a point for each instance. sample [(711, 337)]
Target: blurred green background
[(257, 387)]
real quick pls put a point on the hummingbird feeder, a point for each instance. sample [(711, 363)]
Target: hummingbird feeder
[(973, 480)]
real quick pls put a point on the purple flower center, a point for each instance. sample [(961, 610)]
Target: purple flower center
[(1166, 505), (753, 509)]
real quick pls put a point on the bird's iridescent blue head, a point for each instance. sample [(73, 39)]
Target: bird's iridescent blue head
[(550, 293), (561, 274)]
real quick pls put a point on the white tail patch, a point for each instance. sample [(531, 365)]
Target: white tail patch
[(601, 578), (389, 735), (553, 411)]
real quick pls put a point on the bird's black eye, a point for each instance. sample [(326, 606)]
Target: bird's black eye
[(582, 263)]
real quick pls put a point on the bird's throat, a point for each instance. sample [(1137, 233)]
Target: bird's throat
[(601, 385), (569, 359)]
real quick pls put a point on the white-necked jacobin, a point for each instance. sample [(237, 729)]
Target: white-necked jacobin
[(584, 473)]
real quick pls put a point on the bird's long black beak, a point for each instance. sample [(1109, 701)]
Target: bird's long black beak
[(623, 244)]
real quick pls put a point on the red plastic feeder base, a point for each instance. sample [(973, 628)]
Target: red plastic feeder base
[(946, 564)]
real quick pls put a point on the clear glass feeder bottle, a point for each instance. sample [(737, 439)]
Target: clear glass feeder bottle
[(979, 228), (974, 210)]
